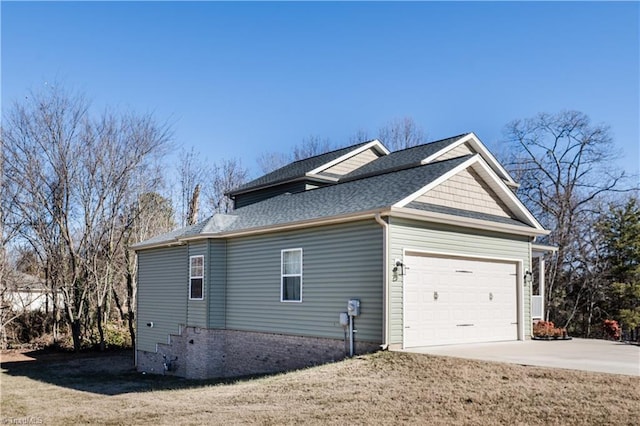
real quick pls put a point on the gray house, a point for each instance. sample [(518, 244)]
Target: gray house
[(431, 241)]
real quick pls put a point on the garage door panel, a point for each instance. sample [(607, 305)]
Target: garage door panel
[(455, 300)]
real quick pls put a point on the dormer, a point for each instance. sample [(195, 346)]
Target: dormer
[(320, 170)]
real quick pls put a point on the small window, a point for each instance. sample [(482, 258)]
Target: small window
[(291, 281), (196, 277)]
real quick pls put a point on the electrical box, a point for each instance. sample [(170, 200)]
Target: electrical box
[(344, 319), (353, 307)]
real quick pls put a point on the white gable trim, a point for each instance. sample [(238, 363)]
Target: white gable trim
[(375, 144), (491, 178), (479, 147)]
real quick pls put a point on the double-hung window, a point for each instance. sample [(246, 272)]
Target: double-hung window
[(196, 277), (291, 275)]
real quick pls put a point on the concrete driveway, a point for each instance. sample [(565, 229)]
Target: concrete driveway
[(576, 354)]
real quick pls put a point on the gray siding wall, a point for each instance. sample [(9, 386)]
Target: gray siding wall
[(197, 310), (414, 235), (216, 282), (162, 294), (339, 262), (242, 200)]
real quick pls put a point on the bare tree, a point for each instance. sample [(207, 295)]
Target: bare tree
[(564, 165), (71, 176), (226, 175), (270, 161), (192, 216), (360, 135), (401, 133), (120, 148), (192, 172), (42, 144), (311, 146)]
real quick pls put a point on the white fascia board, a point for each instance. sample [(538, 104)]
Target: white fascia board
[(447, 148), (436, 182), (465, 222), (480, 148), (543, 248), (506, 195), (376, 144)]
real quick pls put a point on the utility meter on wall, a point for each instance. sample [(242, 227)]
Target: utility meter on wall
[(353, 307)]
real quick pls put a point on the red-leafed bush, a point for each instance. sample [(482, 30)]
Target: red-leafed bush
[(612, 329), (546, 329)]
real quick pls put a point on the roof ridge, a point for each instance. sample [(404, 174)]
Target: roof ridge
[(401, 167), (432, 142), (359, 144)]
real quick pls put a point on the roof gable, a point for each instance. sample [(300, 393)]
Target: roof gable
[(466, 190), (487, 193), (311, 167), (352, 160), (402, 159), (467, 144)]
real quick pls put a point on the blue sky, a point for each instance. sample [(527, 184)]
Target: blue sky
[(238, 79)]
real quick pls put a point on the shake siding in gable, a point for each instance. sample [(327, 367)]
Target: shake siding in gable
[(216, 282), (197, 309), (162, 294), (340, 262), (351, 164), (467, 191), (459, 151), (413, 235)]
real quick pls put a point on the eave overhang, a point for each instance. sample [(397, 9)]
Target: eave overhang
[(465, 222)]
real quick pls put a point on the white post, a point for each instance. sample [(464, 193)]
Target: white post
[(541, 284)]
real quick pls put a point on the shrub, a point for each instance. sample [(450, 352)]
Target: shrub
[(611, 329), (117, 336), (548, 329)]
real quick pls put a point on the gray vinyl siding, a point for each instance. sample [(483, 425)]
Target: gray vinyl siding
[(162, 294), (216, 282), (413, 235), (339, 262), (197, 309)]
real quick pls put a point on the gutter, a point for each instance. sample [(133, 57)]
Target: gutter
[(178, 241), (385, 283)]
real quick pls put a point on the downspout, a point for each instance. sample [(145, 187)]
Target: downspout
[(385, 282)]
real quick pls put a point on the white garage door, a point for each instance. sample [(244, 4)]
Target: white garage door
[(454, 300)]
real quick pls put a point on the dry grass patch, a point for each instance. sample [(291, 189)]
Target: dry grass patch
[(383, 388)]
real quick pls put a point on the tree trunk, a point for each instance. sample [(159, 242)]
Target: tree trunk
[(100, 328), (131, 314), (75, 334)]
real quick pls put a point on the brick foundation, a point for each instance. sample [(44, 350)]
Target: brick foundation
[(206, 353)]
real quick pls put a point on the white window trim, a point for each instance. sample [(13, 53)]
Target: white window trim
[(282, 275), (191, 276)]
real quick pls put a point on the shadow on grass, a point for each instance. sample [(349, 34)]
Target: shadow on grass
[(107, 373)]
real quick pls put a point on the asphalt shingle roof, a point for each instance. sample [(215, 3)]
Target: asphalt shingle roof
[(408, 157), (463, 213), (359, 195), (296, 169)]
